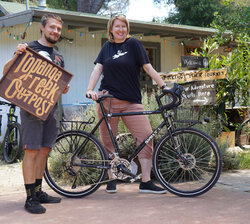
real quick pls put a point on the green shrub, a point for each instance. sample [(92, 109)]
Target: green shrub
[(244, 160), (230, 160)]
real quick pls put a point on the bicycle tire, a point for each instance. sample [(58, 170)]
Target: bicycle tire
[(75, 181), (245, 127), (12, 143), (199, 175)]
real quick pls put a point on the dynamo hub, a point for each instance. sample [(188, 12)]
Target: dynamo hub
[(191, 162)]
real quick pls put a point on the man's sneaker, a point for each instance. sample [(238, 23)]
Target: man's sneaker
[(32, 205), (111, 186), (149, 187), (43, 197)]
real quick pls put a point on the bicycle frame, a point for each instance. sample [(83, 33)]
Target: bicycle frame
[(142, 145), (170, 126)]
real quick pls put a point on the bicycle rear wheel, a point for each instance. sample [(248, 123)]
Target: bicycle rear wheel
[(71, 180), (202, 169), (12, 143)]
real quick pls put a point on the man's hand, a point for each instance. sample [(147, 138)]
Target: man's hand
[(20, 48), (66, 89)]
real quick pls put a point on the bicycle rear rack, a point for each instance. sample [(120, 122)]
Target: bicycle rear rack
[(75, 125)]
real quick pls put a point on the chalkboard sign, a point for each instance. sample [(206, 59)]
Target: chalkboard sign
[(194, 62), (34, 83), (199, 93)]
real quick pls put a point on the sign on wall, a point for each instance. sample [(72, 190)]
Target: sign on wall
[(194, 62), (194, 75), (34, 83)]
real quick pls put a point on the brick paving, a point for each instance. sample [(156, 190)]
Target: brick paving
[(227, 203)]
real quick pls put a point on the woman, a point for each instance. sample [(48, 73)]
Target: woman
[(120, 60)]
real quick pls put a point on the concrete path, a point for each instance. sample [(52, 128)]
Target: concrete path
[(227, 203)]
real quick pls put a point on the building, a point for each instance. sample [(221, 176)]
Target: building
[(82, 37)]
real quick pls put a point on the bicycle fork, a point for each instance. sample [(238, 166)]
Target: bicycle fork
[(177, 143)]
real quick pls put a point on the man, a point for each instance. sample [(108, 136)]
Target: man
[(38, 136)]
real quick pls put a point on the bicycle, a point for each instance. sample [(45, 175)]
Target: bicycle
[(186, 161), (12, 142)]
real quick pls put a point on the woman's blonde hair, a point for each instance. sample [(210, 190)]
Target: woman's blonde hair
[(111, 23)]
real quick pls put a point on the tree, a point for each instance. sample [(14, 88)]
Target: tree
[(90, 6), (234, 15), (191, 12)]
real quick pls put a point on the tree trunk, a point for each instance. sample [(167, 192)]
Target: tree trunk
[(89, 6)]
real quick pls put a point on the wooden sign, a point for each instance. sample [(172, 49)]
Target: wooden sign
[(194, 75), (194, 62), (199, 93), (34, 83)]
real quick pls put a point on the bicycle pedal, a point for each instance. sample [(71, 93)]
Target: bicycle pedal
[(138, 177)]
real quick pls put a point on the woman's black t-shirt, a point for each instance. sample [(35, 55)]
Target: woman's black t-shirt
[(121, 68)]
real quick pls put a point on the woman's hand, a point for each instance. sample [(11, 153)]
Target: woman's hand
[(91, 94)]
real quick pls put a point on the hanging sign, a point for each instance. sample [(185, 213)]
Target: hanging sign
[(34, 83), (194, 62), (194, 75), (199, 93)]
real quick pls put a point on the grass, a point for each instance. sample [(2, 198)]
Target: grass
[(244, 160)]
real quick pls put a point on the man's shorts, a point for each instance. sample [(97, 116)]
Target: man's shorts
[(37, 133)]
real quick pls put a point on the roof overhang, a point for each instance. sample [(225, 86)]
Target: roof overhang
[(17, 18), (96, 23)]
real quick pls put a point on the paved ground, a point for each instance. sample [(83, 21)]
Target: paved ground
[(227, 203)]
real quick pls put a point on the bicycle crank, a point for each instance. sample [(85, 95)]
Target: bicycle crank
[(121, 168)]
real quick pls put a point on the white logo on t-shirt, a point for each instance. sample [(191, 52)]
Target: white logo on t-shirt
[(119, 54), (45, 54)]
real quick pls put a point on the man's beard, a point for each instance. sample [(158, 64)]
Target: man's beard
[(50, 40)]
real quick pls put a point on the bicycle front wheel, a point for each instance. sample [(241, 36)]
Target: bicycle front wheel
[(79, 175), (12, 143), (197, 173)]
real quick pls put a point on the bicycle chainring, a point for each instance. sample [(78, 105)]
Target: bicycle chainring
[(115, 170)]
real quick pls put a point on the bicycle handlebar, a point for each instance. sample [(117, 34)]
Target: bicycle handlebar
[(175, 92), (101, 97)]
